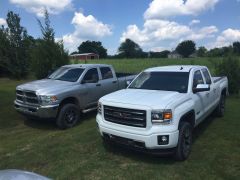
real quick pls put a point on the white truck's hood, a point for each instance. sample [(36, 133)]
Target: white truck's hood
[(151, 98)]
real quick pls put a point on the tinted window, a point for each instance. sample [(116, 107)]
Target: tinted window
[(66, 74), (197, 79), (106, 73), (91, 76), (165, 81), (206, 76)]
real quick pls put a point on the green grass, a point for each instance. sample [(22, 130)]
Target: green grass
[(78, 153)]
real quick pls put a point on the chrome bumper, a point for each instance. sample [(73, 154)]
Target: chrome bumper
[(49, 111)]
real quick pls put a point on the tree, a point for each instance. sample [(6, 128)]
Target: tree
[(93, 47), (18, 59), (162, 54), (186, 48), (130, 49), (236, 48), (47, 54), (202, 51)]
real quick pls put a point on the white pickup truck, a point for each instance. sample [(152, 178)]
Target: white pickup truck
[(160, 108)]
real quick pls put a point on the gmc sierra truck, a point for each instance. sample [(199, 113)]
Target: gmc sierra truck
[(160, 108), (68, 91)]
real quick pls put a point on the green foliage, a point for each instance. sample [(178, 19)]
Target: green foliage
[(202, 51), (236, 48), (93, 47), (130, 49), (47, 54), (230, 67), (15, 44), (186, 48), (162, 54)]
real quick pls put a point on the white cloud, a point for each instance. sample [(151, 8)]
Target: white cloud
[(194, 21), (86, 28), (156, 33), (3, 22), (203, 33), (38, 6), (226, 38), (163, 8)]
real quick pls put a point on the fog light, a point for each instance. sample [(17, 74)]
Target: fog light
[(163, 139)]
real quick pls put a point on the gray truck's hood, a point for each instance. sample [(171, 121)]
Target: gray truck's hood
[(45, 86), (141, 97)]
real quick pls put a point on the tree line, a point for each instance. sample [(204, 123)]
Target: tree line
[(21, 54)]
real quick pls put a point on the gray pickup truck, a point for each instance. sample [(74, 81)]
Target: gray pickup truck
[(68, 92)]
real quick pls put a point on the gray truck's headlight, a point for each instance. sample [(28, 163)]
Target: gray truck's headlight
[(99, 108), (48, 99), (161, 116)]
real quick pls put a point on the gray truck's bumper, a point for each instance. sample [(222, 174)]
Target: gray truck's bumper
[(49, 111)]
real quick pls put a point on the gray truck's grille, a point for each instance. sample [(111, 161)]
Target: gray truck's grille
[(129, 117), (27, 97)]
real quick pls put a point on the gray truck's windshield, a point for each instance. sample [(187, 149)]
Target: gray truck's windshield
[(165, 81), (66, 74)]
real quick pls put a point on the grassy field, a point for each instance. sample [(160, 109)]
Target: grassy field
[(78, 153)]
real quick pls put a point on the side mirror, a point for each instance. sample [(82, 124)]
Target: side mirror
[(201, 88), (128, 82)]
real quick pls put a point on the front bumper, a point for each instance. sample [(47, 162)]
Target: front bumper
[(147, 140), (49, 111)]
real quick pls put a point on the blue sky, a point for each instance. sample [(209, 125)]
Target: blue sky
[(153, 24)]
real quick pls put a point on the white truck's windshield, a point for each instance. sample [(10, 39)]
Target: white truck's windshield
[(165, 81), (66, 74)]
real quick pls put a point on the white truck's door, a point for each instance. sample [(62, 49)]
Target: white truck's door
[(200, 98)]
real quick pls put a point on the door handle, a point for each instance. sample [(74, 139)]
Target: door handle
[(98, 84), (114, 82), (207, 94)]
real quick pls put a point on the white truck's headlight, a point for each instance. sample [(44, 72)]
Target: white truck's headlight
[(99, 108), (161, 116), (48, 99)]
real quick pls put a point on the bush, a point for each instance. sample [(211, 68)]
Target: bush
[(230, 67)]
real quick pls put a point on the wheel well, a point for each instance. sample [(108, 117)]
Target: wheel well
[(68, 100), (188, 117), (224, 92)]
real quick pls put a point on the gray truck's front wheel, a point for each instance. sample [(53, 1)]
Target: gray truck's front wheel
[(184, 141), (68, 116)]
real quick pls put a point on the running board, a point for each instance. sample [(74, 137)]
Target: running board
[(88, 110)]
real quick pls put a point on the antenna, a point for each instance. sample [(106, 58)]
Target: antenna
[(181, 68)]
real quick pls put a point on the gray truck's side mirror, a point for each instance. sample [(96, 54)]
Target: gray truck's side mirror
[(201, 88)]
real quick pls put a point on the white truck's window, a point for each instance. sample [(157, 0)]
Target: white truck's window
[(66, 74), (106, 72), (165, 81), (197, 79), (91, 76), (207, 76)]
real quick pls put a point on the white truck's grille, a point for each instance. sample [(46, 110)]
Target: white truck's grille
[(129, 117)]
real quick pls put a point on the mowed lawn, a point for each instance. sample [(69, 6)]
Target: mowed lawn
[(78, 153)]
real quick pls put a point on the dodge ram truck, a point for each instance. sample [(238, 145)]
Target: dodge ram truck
[(160, 108), (68, 91)]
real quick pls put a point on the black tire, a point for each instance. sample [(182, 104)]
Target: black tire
[(68, 116), (220, 110), (184, 141)]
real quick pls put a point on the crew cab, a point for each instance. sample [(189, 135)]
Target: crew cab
[(160, 108), (68, 91)]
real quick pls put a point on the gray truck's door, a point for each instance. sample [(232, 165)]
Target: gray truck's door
[(93, 87), (109, 82)]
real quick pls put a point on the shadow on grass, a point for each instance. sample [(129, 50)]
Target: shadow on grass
[(156, 159), (50, 124)]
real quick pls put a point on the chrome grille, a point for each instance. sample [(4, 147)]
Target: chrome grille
[(129, 117), (27, 97)]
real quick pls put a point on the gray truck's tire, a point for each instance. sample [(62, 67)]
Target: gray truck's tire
[(68, 116), (220, 110), (184, 141)]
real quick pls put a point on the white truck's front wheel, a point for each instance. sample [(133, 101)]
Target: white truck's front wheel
[(184, 141)]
